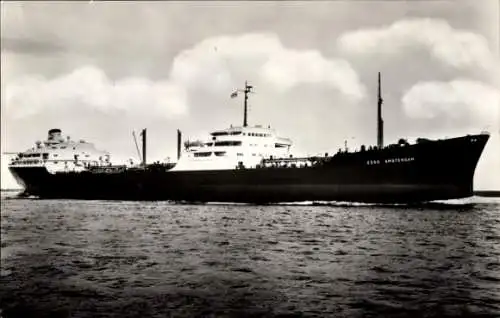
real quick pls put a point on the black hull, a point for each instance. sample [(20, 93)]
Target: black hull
[(433, 170)]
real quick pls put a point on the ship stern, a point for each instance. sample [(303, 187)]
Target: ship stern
[(32, 179)]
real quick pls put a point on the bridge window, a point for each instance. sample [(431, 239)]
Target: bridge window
[(227, 143), (220, 133), (203, 154)]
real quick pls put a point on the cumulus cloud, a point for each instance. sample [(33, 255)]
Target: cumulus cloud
[(466, 101), (457, 48), (89, 87), (213, 64), (218, 60), (460, 98)]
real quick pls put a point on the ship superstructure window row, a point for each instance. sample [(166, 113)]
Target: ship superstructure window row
[(259, 135), (29, 155), (226, 133), (234, 133), (203, 154), (222, 133), (227, 143)]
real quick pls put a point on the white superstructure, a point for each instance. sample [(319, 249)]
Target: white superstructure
[(61, 154), (232, 148)]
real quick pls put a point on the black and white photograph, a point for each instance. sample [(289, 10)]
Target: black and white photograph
[(250, 158)]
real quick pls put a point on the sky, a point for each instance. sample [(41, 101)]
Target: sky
[(100, 70)]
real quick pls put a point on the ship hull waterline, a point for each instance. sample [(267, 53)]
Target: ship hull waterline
[(435, 170)]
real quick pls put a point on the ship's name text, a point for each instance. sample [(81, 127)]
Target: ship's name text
[(391, 160)]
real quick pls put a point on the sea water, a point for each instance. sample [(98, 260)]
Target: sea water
[(72, 258)]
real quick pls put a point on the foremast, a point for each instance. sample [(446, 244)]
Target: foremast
[(380, 121)]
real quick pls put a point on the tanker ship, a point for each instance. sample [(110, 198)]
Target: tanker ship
[(254, 164)]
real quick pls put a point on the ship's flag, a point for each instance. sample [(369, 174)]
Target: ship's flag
[(235, 94)]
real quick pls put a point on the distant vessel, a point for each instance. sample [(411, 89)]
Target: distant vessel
[(254, 164)]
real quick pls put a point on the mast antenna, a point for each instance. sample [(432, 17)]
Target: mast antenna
[(246, 91), (380, 121)]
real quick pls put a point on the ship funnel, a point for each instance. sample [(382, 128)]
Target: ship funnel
[(179, 141), (380, 121), (55, 135)]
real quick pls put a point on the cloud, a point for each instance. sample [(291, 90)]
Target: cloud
[(457, 48), (214, 64), (89, 87), (218, 60), (459, 99)]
